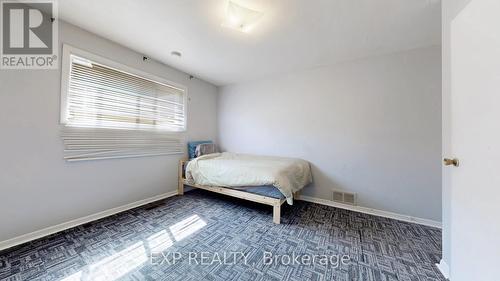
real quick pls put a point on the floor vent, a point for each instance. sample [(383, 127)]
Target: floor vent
[(344, 197)]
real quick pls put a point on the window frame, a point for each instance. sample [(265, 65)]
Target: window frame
[(69, 50)]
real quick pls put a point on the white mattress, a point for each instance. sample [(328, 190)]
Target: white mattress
[(226, 169)]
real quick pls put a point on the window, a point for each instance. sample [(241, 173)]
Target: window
[(110, 110)]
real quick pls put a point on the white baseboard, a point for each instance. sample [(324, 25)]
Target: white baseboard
[(371, 211), (76, 222), (444, 268)]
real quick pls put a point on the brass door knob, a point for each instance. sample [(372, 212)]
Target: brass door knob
[(449, 162)]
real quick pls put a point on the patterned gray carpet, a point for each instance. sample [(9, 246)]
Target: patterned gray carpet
[(204, 236)]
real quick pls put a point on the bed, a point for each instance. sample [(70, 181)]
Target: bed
[(262, 179)]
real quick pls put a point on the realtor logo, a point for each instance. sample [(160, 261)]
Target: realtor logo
[(29, 34)]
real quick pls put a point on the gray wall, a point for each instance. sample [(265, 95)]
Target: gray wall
[(371, 126), (37, 187)]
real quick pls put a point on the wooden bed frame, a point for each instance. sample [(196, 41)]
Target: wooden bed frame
[(276, 203)]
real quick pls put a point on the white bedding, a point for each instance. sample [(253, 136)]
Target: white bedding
[(236, 170)]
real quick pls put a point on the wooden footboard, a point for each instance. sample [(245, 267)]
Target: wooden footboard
[(274, 202)]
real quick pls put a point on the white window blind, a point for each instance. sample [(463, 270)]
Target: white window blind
[(111, 113), (103, 97)]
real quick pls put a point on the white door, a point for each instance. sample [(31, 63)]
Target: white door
[(475, 140)]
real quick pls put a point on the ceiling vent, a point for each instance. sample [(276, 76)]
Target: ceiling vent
[(344, 197)]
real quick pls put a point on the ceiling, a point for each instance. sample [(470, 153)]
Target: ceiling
[(292, 34)]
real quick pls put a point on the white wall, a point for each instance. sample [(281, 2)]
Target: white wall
[(37, 187), (371, 126)]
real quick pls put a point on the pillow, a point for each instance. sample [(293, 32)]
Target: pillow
[(205, 148), (192, 147)]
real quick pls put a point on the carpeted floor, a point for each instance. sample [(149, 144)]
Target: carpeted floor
[(204, 236)]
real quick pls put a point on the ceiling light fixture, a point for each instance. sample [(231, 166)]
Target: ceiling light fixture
[(241, 18)]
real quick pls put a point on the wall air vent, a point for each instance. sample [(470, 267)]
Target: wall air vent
[(338, 196), (344, 197)]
